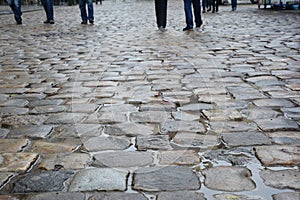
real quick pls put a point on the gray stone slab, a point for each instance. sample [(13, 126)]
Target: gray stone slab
[(222, 115), (278, 155), (150, 116), (3, 132), (123, 159), (13, 145), (287, 196), (196, 107), (245, 139), (17, 162), (61, 145), (286, 138), (235, 196), (281, 179), (65, 118), (7, 111), (274, 102), (46, 102), (58, 195), (165, 179), (129, 129), (105, 143), (153, 142), (48, 182), (36, 132), (4, 177), (203, 141), (180, 195), (292, 113), (232, 126), (179, 157), (117, 196), (228, 178), (182, 126), (17, 121), (99, 179), (77, 130), (15, 103), (277, 124), (47, 109), (260, 113)]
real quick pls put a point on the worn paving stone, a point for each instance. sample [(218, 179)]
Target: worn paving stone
[(72, 161), (105, 143), (232, 126), (281, 179), (150, 117), (179, 195), (228, 178), (17, 121), (260, 113), (17, 162), (185, 116), (196, 107), (15, 103), (117, 195), (12, 145), (4, 177), (48, 182), (55, 146), (58, 195), (99, 179), (129, 129), (203, 141), (179, 157), (278, 155), (65, 118), (274, 102), (292, 113), (234, 196), (35, 132), (287, 196), (123, 159), (245, 139), (77, 130), (47, 109), (221, 115), (286, 138), (165, 179), (182, 126), (7, 111), (154, 142), (277, 124)]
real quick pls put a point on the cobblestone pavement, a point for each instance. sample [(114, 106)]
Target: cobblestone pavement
[(119, 110)]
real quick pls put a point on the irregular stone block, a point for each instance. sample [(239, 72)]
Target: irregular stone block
[(274, 102), (182, 126), (99, 179), (281, 179), (71, 161), (149, 116), (286, 138), (129, 129), (237, 197), (47, 109), (47, 182), (117, 195), (287, 196), (228, 178), (58, 195), (232, 126), (245, 138), (278, 155), (55, 146), (12, 145), (277, 124), (105, 143), (202, 141), (179, 157), (16, 162), (260, 113), (154, 179), (153, 142), (35, 132), (17, 121), (180, 195), (196, 107), (65, 118), (123, 159), (7, 111)]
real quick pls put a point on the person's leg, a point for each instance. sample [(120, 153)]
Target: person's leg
[(17, 11), (197, 12), (83, 14), (188, 15), (90, 11), (204, 5), (233, 4), (161, 12)]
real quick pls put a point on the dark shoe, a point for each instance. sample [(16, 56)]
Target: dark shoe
[(91, 21), (187, 29), (84, 22), (51, 21), (19, 22), (46, 22)]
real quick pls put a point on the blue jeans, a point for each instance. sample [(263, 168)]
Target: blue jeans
[(82, 7), (15, 6), (48, 7), (233, 4), (189, 14)]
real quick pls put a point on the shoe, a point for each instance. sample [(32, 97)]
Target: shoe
[(187, 29), (84, 22), (46, 21), (91, 21), (51, 21), (19, 22), (162, 28)]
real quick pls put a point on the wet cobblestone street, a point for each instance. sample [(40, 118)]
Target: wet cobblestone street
[(120, 110)]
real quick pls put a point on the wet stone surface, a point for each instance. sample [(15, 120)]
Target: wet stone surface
[(121, 110)]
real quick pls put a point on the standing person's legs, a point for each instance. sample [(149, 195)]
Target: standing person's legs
[(161, 13), (188, 15), (48, 7), (197, 13), (90, 11), (15, 6), (82, 8), (204, 5), (233, 4)]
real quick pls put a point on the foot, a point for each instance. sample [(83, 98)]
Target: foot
[(162, 28), (19, 22), (187, 29), (91, 21), (84, 22), (51, 21)]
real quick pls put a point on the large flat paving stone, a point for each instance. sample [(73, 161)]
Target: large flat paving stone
[(105, 143), (183, 126), (17, 121), (228, 178), (55, 146), (99, 179), (179, 157), (232, 126), (12, 145), (47, 182), (117, 196), (277, 124), (278, 155), (286, 137), (281, 179), (245, 138), (235, 196), (154, 142), (129, 129), (58, 196), (123, 159), (165, 179), (203, 141), (287, 196), (180, 195), (17, 162), (34, 132)]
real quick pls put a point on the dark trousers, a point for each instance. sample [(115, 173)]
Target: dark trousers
[(215, 5), (161, 12)]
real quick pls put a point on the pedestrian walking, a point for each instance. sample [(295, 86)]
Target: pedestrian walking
[(189, 14), (84, 16), (15, 6), (48, 7), (233, 5), (161, 13)]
